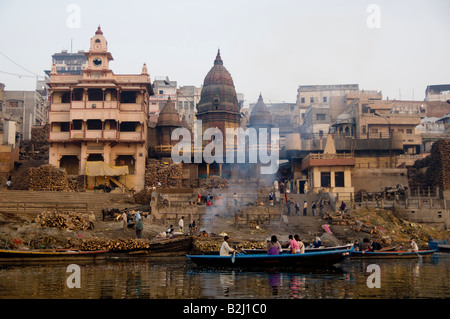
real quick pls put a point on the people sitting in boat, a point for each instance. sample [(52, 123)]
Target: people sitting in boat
[(374, 245), (366, 245), (317, 243), (273, 246), (356, 245), (225, 249), (301, 245), (293, 245)]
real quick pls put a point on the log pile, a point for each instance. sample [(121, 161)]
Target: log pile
[(64, 221), (38, 146), (48, 178), (163, 173), (208, 245), (434, 170), (114, 245)]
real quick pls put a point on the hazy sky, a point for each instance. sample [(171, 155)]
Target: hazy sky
[(269, 47)]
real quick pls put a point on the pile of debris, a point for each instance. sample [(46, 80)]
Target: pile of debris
[(389, 230), (163, 173), (64, 221)]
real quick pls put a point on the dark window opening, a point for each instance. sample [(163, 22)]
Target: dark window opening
[(77, 95), (60, 127), (128, 126), (95, 158), (77, 125), (110, 125), (320, 117), (325, 179), (95, 95), (94, 124), (128, 97), (339, 179), (65, 98)]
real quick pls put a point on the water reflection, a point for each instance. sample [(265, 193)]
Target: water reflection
[(177, 278)]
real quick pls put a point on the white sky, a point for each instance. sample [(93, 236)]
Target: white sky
[(269, 47)]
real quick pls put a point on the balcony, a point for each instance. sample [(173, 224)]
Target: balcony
[(59, 136), (60, 107), (131, 136)]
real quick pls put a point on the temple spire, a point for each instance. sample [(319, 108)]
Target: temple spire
[(218, 59)]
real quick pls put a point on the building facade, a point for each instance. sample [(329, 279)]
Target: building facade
[(100, 117)]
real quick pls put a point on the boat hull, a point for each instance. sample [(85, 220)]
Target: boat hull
[(50, 254), (310, 259), (393, 254)]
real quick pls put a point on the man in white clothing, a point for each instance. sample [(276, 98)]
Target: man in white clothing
[(181, 223), (225, 249)]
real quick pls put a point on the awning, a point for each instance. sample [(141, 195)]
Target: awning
[(100, 168)]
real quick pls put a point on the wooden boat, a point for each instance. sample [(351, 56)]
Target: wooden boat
[(178, 246), (50, 254), (286, 251), (393, 254), (440, 245), (308, 259)]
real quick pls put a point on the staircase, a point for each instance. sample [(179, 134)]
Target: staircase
[(95, 201)]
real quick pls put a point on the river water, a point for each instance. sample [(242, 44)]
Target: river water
[(177, 278)]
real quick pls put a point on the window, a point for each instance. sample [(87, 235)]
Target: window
[(128, 97), (400, 130), (409, 131), (161, 92), (320, 117), (311, 99), (339, 179), (95, 95), (325, 179), (94, 124), (77, 125), (13, 104), (303, 100), (129, 126), (374, 130), (325, 99), (180, 104)]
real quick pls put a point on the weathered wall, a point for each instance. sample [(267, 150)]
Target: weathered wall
[(377, 179)]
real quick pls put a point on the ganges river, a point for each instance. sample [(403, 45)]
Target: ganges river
[(177, 278)]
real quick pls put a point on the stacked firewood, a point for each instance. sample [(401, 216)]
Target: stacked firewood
[(37, 147), (434, 170), (163, 173), (63, 221), (48, 178), (207, 245), (439, 169), (117, 245)]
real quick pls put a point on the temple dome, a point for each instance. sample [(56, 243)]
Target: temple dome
[(218, 92), (169, 115), (260, 115)]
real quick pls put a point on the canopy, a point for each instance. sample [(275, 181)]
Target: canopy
[(103, 169)]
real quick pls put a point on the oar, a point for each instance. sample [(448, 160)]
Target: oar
[(234, 257)]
